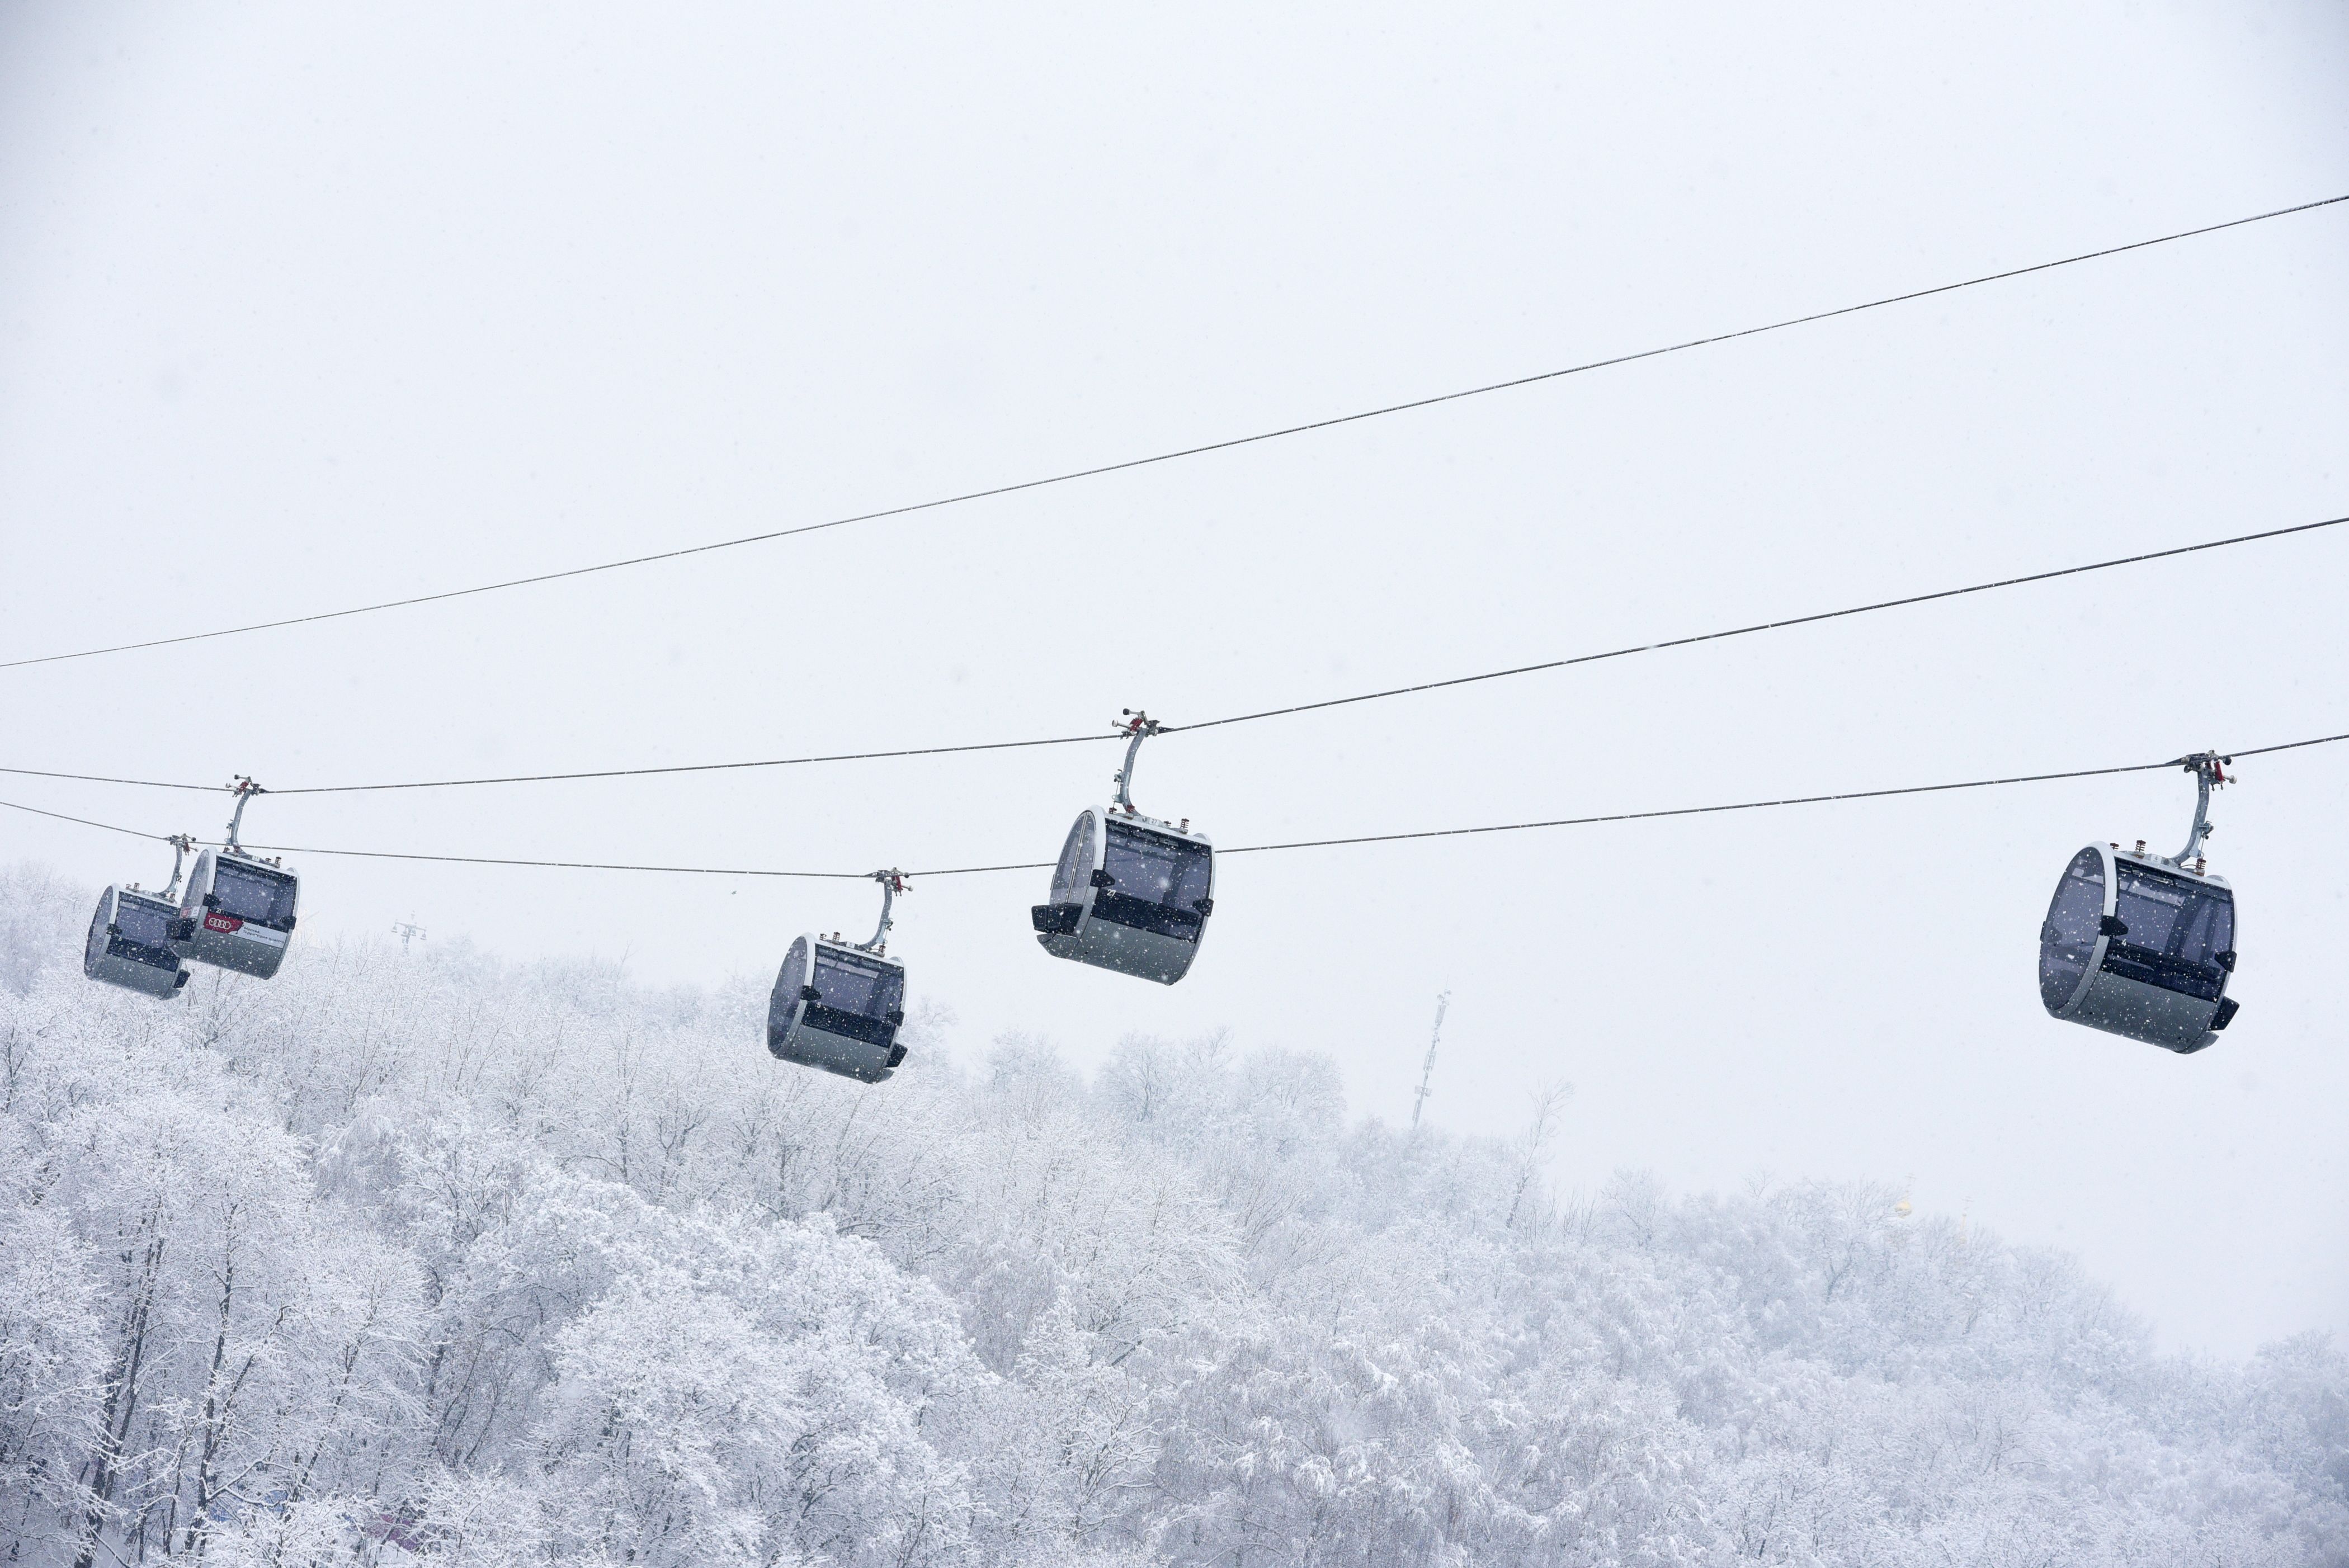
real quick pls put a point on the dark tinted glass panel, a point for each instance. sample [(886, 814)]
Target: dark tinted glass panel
[(2176, 917), (1158, 869), (253, 892), (783, 1001), (148, 924), (793, 974), (2150, 968), (2071, 933), (1144, 915), (2177, 929), (849, 1026), (1076, 861), (2209, 928), (859, 985)]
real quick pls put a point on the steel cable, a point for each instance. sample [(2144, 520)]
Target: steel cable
[(1182, 452), (1689, 641), (1838, 796)]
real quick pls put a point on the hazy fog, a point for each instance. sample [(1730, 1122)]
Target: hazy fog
[(301, 308)]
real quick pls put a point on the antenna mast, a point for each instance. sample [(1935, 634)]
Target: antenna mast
[(1419, 1102)]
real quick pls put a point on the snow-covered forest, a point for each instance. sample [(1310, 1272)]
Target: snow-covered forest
[(418, 1256)]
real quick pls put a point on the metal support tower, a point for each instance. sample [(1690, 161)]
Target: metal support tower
[(1419, 1102)]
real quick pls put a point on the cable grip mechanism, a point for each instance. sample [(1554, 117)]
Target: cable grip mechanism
[(180, 844), (245, 790), (2210, 769), (1138, 728), (892, 882)]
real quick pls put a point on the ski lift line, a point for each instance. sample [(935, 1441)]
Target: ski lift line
[(1449, 832), (1754, 805), (84, 821), (104, 779), (473, 860), (594, 773), (1245, 848), (1760, 626), (589, 865), (1689, 641), (702, 766), (1180, 453)]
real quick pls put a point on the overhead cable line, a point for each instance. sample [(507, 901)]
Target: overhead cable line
[(1836, 798), (1752, 805), (564, 777), (1182, 452), (1760, 626), (1689, 641), (86, 822)]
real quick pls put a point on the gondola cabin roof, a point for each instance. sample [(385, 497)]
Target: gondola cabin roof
[(837, 1007), (2145, 859), (1181, 830)]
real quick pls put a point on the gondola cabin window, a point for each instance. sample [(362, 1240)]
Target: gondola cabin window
[(2071, 935), (251, 893), (144, 924), (2177, 930), (1162, 870), (851, 986)]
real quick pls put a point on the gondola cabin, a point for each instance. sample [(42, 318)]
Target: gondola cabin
[(837, 1007), (1130, 894), (2140, 947), (130, 944), (238, 912)]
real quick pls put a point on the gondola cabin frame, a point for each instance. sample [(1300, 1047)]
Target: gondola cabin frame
[(838, 1007), (1091, 920), (238, 912), (2090, 971), (130, 944)]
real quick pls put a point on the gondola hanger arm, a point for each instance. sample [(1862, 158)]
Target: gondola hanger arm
[(2208, 769), (245, 789), (1138, 728), (182, 843), (892, 882)]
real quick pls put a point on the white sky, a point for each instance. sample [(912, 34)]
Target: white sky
[(306, 307)]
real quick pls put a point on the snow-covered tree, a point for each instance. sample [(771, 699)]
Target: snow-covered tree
[(433, 1260)]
